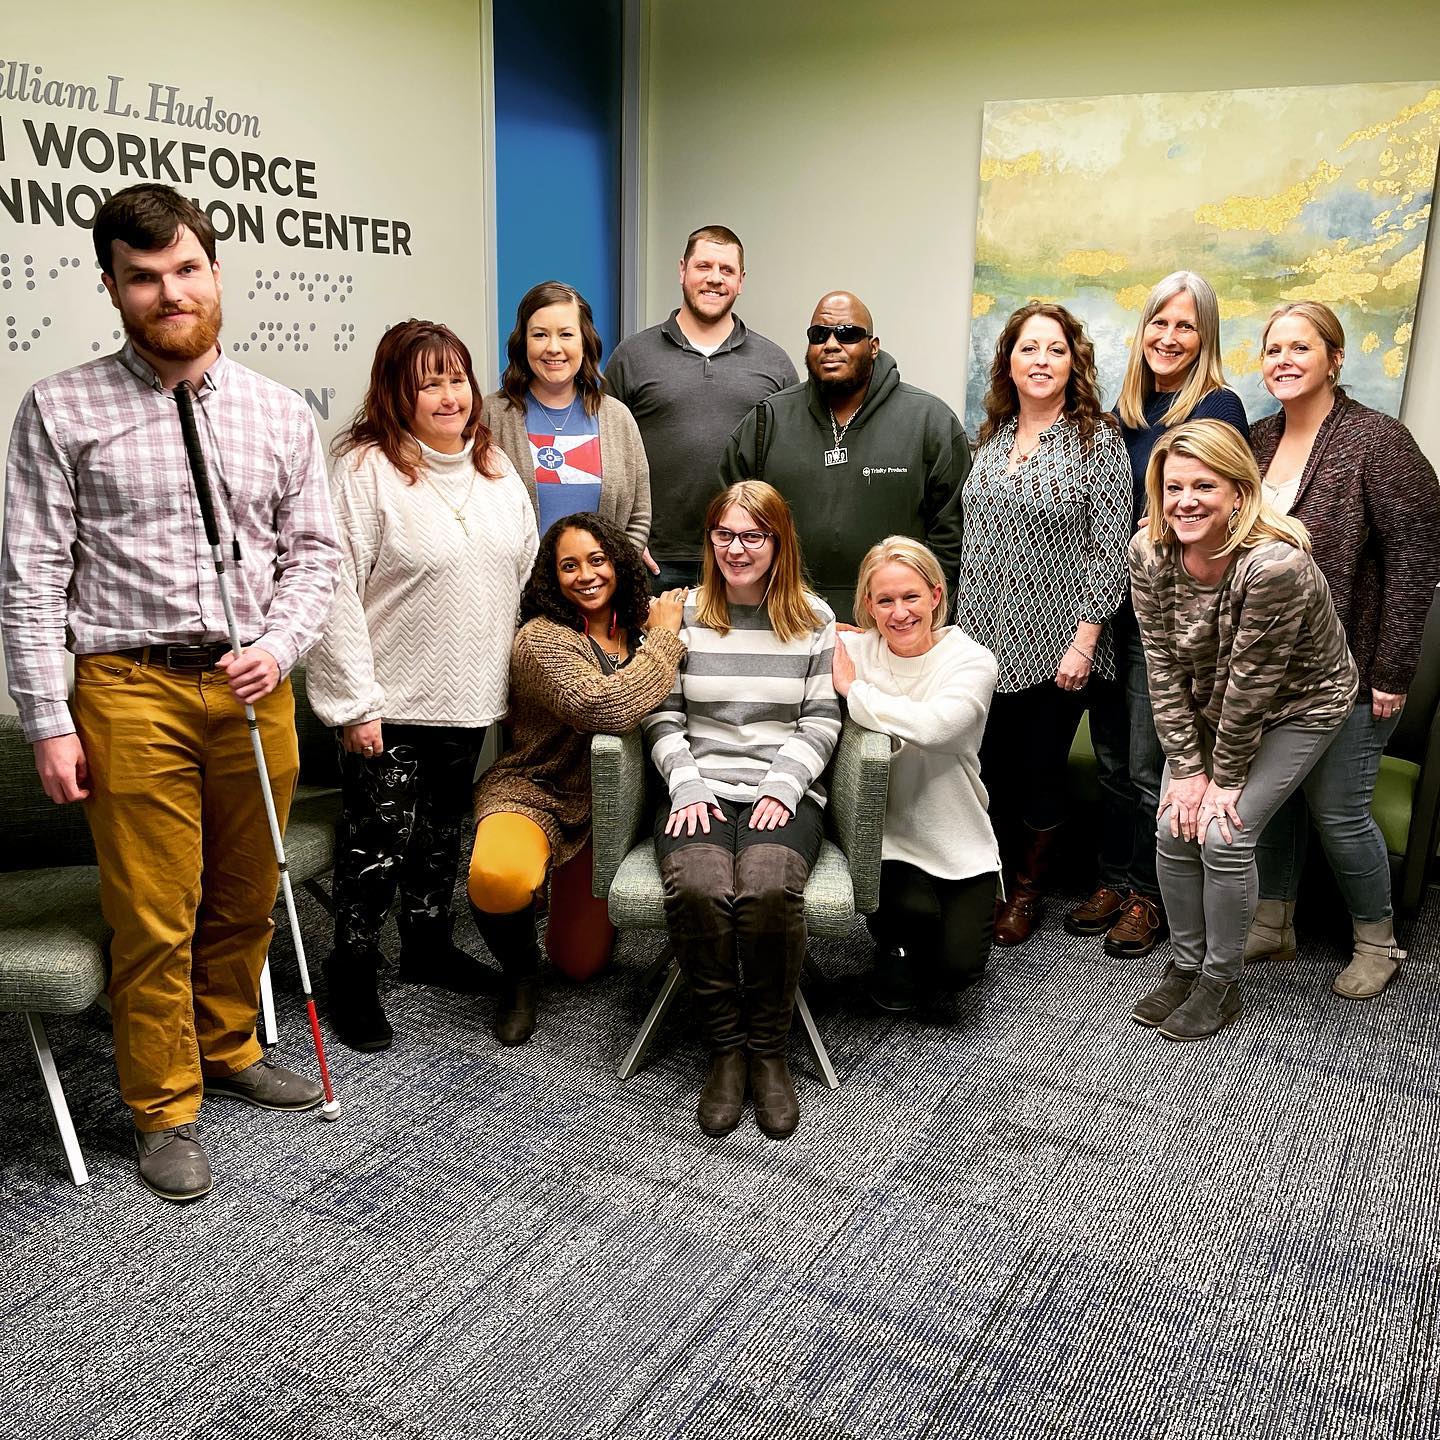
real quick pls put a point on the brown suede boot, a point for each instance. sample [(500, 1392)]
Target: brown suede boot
[(1168, 996), (722, 1099), (770, 943), (699, 881), (1020, 912)]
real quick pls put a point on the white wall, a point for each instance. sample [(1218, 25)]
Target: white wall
[(383, 99), (841, 140)]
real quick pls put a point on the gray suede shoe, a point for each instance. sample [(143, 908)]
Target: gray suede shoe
[(271, 1087), (173, 1164)]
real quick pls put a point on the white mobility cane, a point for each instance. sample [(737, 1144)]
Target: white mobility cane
[(185, 405)]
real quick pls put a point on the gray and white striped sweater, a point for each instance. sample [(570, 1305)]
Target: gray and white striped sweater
[(750, 716)]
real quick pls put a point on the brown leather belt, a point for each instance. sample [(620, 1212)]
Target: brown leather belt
[(179, 657)]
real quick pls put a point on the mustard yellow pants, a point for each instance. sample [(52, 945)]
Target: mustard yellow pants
[(187, 869), (507, 871)]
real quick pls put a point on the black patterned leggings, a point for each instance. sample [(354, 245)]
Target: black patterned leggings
[(399, 830)]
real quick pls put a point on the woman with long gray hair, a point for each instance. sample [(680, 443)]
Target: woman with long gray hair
[(1173, 375)]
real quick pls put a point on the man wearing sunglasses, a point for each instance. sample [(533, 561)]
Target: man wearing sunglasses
[(687, 383), (858, 454)]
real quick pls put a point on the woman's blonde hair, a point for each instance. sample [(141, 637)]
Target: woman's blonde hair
[(900, 550), (1205, 374), (1325, 323), (790, 607), (1218, 446)]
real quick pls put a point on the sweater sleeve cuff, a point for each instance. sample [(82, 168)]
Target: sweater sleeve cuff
[(784, 789), (692, 792)]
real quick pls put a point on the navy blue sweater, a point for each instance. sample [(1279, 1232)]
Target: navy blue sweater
[(1223, 404)]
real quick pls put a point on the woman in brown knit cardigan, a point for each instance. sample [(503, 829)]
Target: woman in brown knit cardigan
[(1368, 497), (593, 654)]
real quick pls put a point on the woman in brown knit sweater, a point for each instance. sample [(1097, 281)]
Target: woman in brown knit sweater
[(1368, 497), (593, 654)]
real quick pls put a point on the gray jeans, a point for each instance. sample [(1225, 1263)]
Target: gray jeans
[(1210, 887)]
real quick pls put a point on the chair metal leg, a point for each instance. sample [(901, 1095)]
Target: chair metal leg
[(813, 1040), (645, 1036), (269, 1031), (55, 1093)]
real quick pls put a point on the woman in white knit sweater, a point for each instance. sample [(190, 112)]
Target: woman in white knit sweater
[(438, 536), (928, 685)]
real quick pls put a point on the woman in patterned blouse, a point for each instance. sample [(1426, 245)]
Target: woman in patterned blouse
[(1359, 484), (1042, 570), (1250, 679)]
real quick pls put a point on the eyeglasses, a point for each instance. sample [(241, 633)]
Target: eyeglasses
[(750, 539), (845, 334)]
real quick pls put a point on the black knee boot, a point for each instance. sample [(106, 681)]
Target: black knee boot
[(430, 956), (511, 940), (770, 932), (352, 999), (698, 882)]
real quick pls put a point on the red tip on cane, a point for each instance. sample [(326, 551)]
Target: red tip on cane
[(331, 1108)]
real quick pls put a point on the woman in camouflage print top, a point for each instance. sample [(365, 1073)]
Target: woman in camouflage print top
[(1250, 678)]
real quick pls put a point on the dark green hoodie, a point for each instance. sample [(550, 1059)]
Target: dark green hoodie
[(906, 463)]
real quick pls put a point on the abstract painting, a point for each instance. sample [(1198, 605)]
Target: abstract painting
[(1319, 193)]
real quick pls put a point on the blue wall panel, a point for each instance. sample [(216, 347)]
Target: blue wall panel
[(557, 154)]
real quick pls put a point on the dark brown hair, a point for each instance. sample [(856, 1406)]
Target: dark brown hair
[(148, 217), (515, 382), (1082, 390), (716, 235), (542, 595), (407, 352)]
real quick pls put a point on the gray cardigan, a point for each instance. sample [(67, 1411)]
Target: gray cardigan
[(625, 483)]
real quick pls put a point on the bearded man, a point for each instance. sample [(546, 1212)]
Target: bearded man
[(687, 382), (858, 453), (104, 552)]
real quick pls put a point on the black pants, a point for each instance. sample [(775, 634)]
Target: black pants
[(1128, 762), (735, 908), (675, 575), (1025, 756), (944, 926), (403, 815)]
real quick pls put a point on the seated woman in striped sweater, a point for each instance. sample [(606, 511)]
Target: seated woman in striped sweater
[(741, 743)]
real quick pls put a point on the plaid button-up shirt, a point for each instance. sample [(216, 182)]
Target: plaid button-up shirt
[(104, 547)]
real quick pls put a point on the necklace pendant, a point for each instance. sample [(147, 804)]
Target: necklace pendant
[(460, 520), (838, 456)]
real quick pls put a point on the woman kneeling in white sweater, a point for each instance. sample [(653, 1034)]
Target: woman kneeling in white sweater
[(928, 686)]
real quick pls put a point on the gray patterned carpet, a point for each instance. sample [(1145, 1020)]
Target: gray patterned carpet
[(1028, 1218)]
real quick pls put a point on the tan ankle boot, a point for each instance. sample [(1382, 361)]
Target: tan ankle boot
[(1272, 932), (1375, 963)]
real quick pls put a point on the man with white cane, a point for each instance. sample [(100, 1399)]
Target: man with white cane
[(104, 550)]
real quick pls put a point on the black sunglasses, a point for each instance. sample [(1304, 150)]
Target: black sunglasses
[(845, 334)]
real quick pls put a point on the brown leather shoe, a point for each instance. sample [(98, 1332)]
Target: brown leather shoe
[(1097, 914), (1018, 916), (1140, 928), (722, 1100)]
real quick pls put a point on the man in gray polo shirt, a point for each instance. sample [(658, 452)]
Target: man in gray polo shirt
[(688, 383)]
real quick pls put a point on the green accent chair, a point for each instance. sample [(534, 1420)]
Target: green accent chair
[(845, 881)]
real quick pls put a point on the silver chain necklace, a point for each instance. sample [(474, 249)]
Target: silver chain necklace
[(550, 414)]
